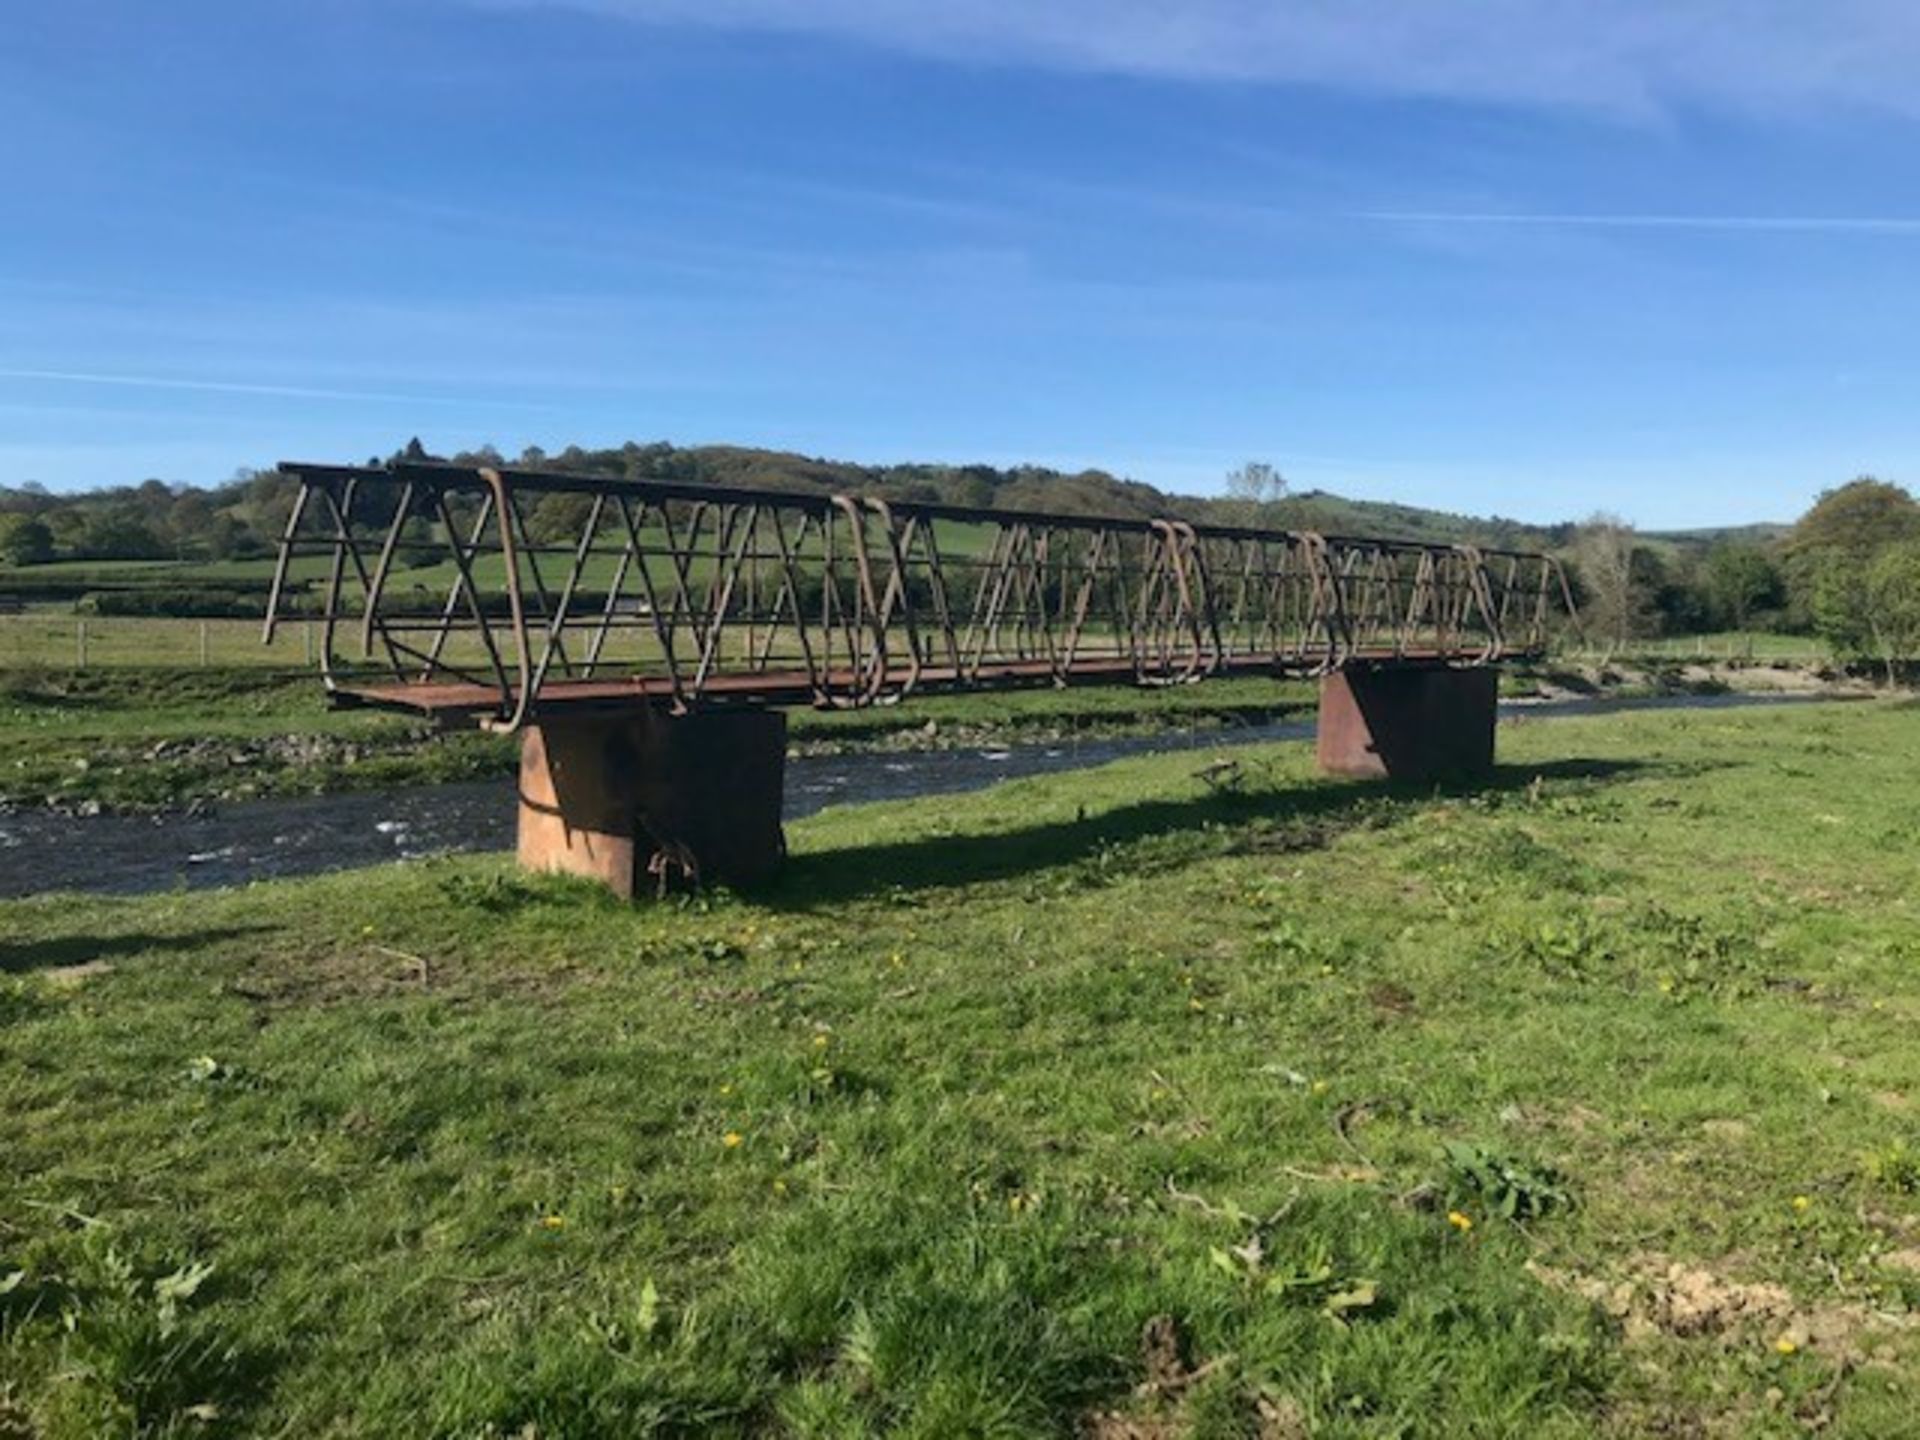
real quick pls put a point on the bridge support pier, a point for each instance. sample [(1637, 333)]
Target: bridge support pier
[(646, 802), (1407, 723)]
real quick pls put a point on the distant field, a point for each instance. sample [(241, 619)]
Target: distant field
[(50, 637), (1133, 1104), (1727, 645), (954, 540)]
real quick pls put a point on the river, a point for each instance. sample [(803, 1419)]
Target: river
[(262, 839)]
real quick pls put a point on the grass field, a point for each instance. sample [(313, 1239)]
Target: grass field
[(56, 638), (1125, 1103), (310, 570), (53, 636), (1728, 646)]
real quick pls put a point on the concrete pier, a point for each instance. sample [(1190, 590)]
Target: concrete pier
[(1404, 723), (645, 802)]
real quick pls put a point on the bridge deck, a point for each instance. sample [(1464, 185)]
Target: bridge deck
[(456, 700)]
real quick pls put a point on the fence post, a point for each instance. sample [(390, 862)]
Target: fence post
[(306, 635), (80, 645), (203, 644)]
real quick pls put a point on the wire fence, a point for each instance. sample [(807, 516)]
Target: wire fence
[(51, 639), (1725, 648), (68, 642)]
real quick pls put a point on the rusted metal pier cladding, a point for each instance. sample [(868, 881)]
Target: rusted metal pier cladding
[(643, 636)]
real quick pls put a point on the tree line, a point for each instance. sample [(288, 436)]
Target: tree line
[(1847, 572)]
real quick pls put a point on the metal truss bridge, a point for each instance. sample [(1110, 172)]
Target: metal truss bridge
[(506, 596)]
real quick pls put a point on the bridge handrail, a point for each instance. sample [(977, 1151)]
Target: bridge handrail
[(1056, 597)]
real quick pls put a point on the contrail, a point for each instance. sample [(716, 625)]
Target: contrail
[(226, 387), (1838, 224)]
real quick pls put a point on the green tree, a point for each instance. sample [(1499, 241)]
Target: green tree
[(225, 537), (1740, 581), (1858, 518), (120, 533), (188, 519), (561, 519), (25, 540), (1832, 552), (1893, 597), (1835, 583)]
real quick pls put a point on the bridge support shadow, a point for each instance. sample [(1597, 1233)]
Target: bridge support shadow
[(60, 952), (1295, 817)]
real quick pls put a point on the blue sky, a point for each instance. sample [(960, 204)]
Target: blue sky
[(1529, 256)]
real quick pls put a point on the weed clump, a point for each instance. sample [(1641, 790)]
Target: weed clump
[(1510, 1186), (1894, 1166)]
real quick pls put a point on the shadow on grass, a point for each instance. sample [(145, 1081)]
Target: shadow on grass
[(1303, 817), (60, 951)]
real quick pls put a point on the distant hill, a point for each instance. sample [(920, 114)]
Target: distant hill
[(1030, 487), (1762, 533), (1023, 487), (1339, 515), (242, 519)]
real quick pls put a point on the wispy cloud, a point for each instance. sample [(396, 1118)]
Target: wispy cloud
[(1834, 224), (227, 387), (1630, 56)]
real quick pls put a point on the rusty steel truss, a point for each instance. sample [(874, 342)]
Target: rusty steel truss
[(506, 594)]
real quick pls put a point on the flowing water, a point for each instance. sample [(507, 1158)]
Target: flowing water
[(261, 839)]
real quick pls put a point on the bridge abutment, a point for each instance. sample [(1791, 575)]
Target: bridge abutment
[(644, 802), (1404, 723)]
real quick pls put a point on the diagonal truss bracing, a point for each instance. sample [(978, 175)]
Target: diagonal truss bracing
[(503, 593)]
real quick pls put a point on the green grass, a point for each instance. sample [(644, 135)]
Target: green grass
[(184, 572), (955, 541), (1728, 646), (1016, 1079), (57, 638), (152, 738)]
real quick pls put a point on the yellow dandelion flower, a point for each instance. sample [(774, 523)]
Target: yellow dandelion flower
[(820, 1042), (1802, 1203), (726, 1089), (554, 1222), (1320, 1087), (1460, 1222), (733, 1139), (1785, 1345)]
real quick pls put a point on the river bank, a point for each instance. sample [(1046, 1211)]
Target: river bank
[(229, 843), (133, 742)]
